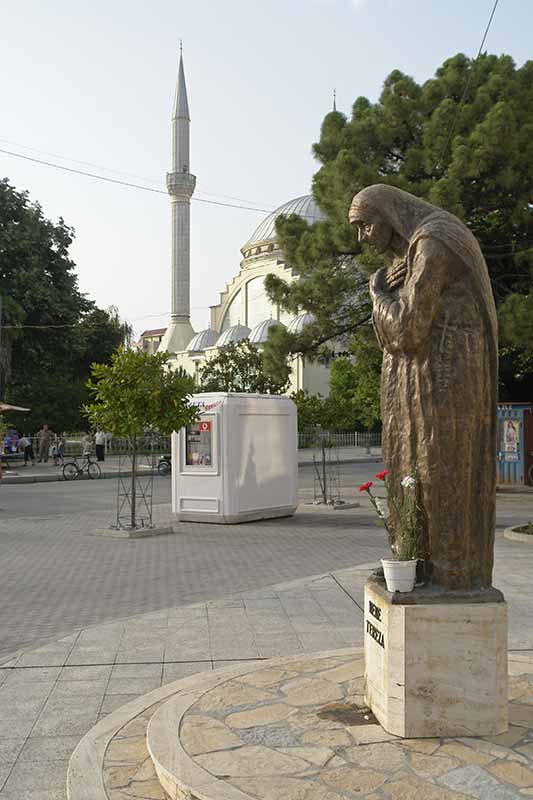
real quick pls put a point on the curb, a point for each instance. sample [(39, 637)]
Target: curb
[(512, 533), (58, 477)]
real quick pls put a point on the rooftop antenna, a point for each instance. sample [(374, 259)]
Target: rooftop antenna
[(334, 99)]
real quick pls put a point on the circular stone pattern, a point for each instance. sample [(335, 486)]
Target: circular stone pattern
[(261, 733)]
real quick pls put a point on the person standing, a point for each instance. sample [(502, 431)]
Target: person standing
[(60, 449), (44, 438), (86, 445), (26, 446), (99, 443)]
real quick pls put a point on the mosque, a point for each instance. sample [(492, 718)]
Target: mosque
[(244, 311)]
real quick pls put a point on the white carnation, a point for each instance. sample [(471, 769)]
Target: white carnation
[(408, 482)]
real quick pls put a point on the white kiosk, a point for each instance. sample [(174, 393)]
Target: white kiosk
[(239, 462)]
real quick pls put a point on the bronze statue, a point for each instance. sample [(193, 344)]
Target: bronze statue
[(435, 319)]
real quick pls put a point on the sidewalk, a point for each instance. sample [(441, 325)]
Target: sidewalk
[(45, 473), (50, 697)]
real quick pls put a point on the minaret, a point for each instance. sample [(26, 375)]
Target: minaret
[(180, 186)]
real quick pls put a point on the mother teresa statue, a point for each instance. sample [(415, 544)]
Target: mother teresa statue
[(435, 319)]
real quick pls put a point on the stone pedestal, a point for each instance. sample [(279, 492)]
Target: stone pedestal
[(436, 662)]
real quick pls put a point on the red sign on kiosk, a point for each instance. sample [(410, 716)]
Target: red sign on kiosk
[(204, 427)]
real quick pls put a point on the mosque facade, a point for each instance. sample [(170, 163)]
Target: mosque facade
[(244, 310)]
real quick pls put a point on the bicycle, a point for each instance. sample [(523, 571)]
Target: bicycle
[(72, 470)]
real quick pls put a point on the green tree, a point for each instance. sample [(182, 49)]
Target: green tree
[(355, 383), (239, 367), (136, 394), (471, 153), (51, 332), (311, 409)]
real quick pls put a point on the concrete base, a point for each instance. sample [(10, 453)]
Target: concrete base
[(136, 533), (436, 667), (177, 336)]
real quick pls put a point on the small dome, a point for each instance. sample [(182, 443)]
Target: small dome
[(232, 335), (259, 334), (265, 232), (200, 341), (297, 324)]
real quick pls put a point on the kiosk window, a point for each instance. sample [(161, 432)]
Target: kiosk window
[(199, 444)]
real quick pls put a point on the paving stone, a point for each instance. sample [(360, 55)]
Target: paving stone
[(136, 671), (510, 771), (311, 691), (251, 760), (262, 715), (231, 694), (89, 672), (370, 734), (79, 689), (122, 752), (203, 735), (113, 701), (408, 788), (353, 779), (48, 748), (466, 754), (476, 782), (383, 756), (345, 672), (334, 738), (273, 788), (265, 677), (315, 755), (27, 777), (431, 766), (10, 749), (509, 738), (135, 686), (521, 714)]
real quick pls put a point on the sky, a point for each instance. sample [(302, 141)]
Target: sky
[(94, 83)]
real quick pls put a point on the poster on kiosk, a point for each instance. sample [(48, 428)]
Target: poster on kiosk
[(239, 462)]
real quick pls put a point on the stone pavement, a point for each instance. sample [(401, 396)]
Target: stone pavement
[(299, 728), (50, 697)]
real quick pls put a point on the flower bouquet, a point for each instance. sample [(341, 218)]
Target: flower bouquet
[(404, 531)]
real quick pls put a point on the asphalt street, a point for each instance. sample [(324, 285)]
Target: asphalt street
[(56, 575)]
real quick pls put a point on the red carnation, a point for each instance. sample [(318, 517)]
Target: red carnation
[(382, 475), (366, 486)]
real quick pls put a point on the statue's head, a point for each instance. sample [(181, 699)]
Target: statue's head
[(371, 227), (386, 217)]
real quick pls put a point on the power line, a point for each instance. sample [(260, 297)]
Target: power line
[(119, 172), (130, 184), (467, 85)]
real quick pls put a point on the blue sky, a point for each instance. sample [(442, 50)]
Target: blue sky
[(94, 82)]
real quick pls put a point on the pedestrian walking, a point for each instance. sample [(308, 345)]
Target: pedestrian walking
[(86, 445), (60, 448), (99, 444), (26, 445), (44, 437)]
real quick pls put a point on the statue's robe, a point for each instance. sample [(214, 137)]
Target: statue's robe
[(439, 395)]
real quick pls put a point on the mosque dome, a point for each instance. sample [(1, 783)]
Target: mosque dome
[(265, 233), (202, 340), (232, 335), (297, 324), (259, 334)]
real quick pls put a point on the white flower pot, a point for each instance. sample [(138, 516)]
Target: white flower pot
[(399, 575)]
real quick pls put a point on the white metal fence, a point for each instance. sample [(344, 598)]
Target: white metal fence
[(343, 439)]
